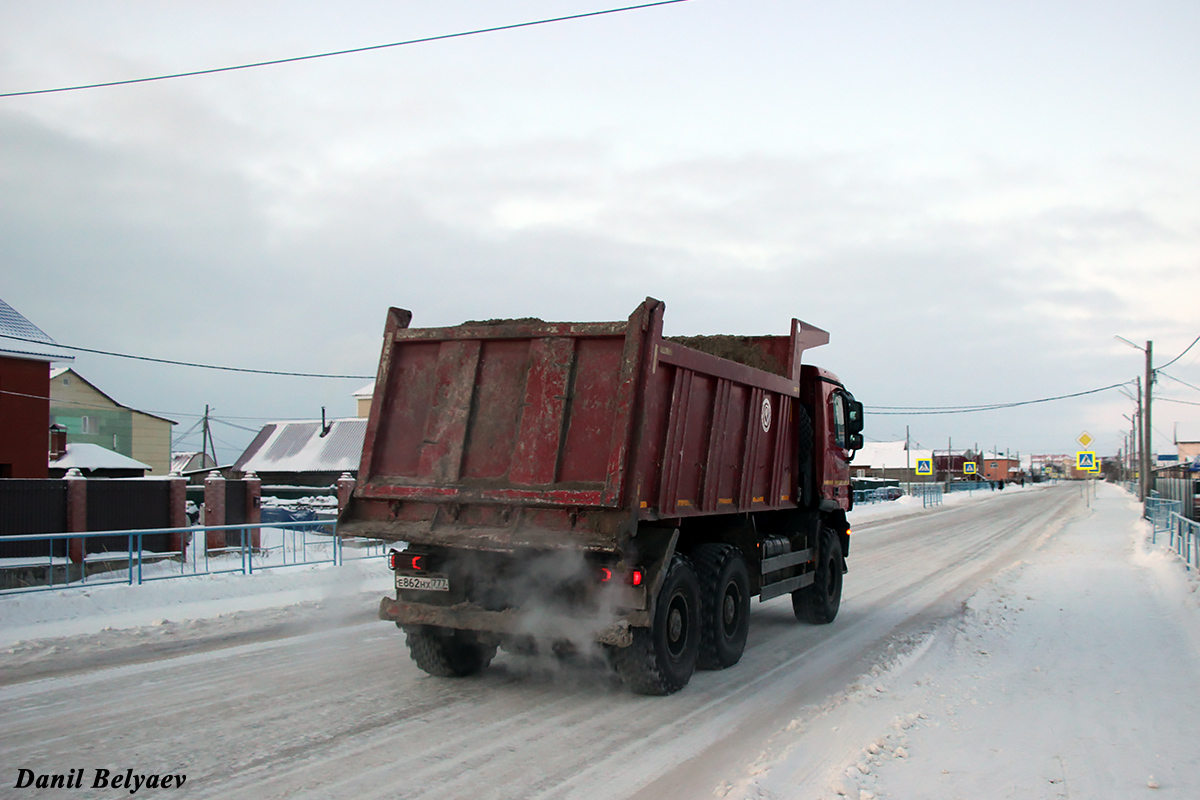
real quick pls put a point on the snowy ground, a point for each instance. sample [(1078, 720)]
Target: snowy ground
[(1022, 643), (1072, 674)]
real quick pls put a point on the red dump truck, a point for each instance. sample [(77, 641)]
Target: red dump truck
[(562, 486)]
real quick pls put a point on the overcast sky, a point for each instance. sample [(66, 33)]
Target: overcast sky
[(974, 198)]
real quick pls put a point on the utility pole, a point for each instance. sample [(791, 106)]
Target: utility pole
[(1141, 446), (1146, 455), (208, 440)]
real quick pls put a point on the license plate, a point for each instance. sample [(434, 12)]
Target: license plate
[(426, 583)]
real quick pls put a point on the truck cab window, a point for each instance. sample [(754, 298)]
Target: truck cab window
[(839, 419)]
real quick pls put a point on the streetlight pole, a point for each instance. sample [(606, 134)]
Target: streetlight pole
[(1146, 419), (1144, 431)]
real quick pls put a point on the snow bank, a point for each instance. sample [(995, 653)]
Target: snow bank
[(1071, 674), (68, 612)]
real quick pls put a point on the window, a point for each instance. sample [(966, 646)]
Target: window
[(89, 425), (839, 419)]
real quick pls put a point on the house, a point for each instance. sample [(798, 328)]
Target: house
[(192, 465), (995, 467), (363, 399), (26, 353), (304, 453), (92, 417), (890, 460), (95, 461)]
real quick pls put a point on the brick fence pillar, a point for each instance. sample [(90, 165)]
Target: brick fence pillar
[(214, 509), (76, 513), (345, 488), (177, 513), (254, 508)]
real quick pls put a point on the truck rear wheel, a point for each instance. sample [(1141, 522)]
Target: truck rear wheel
[(818, 602), (662, 658), (448, 654), (724, 604)]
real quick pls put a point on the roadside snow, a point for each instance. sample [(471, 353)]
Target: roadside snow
[(1072, 674), (87, 610)]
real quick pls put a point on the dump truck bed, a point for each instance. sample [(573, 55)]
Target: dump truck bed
[(509, 434)]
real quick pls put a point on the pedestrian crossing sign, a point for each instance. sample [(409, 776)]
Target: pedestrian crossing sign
[(1085, 461), (924, 466), (970, 468)]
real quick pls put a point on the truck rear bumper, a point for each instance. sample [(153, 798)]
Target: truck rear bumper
[(467, 616)]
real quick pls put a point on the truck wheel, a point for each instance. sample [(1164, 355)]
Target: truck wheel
[(818, 602), (724, 604), (662, 658), (448, 654)]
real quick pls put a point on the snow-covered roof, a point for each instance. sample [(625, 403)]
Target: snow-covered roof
[(184, 463), (20, 338), (299, 447), (889, 455), (92, 456), (366, 391)]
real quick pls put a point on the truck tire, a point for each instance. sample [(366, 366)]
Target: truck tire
[(454, 654), (818, 602), (724, 604), (662, 658)]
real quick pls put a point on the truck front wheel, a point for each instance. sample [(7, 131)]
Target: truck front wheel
[(448, 654), (662, 658), (724, 603), (818, 602)]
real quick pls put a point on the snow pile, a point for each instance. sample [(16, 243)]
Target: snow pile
[(91, 609)]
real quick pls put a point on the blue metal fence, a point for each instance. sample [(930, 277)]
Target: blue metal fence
[(256, 547), (1182, 534)]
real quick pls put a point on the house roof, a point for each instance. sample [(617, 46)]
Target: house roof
[(93, 456), (300, 447), (20, 338), (888, 455), (185, 463), (60, 371)]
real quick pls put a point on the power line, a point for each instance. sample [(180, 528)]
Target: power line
[(1177, 380), (1161, 399), (924, 410), (350, 51), (1181, 355), (193, 364)]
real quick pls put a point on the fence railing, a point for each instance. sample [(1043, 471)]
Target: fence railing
[(1182, 534), (930, 493), (1158, 511), (206, 550)]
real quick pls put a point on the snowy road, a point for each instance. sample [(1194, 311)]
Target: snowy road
[(335, 709)]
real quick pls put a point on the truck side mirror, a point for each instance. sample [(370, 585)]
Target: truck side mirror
[(854, 417), (856, 441)]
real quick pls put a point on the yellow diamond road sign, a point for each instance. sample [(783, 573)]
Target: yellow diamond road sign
[(1085, 439)]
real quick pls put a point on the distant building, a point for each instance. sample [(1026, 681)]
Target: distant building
[(889, 460), (193, 466), (994, 467), (26, 353), (304, 453), (363, 398), (95, 461), (92, 417)]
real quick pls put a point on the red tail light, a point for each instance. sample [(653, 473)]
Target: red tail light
[(636, 577), (398, 560), (605, 574)]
